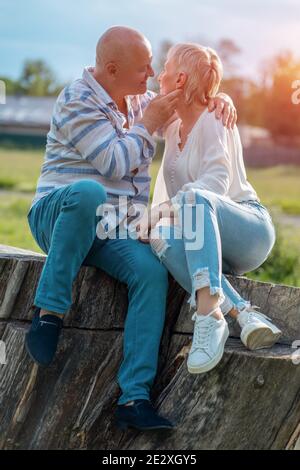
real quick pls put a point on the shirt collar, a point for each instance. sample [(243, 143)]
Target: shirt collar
[(99, 90), (102, 93)]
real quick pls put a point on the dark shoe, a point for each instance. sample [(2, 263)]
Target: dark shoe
[(141, 415), (42, 338)]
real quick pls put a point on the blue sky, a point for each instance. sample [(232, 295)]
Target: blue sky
[(64, 32)]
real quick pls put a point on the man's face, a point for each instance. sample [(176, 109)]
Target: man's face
[(168, 77), (134, 73)]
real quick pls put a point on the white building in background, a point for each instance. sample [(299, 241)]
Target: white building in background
[(26, 116)]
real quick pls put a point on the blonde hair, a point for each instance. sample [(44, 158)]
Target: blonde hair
[(203, 68)]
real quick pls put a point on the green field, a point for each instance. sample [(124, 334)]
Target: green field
[(278, 188)]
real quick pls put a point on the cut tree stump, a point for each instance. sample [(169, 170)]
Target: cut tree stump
[(251, 400)]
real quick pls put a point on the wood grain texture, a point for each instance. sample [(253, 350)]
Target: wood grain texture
[(251, 400)]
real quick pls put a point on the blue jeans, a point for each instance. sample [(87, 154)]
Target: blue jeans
[(236, 238), (63, 224)]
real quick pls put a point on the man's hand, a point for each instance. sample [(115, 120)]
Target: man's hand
[(224, 108), (160, 110)]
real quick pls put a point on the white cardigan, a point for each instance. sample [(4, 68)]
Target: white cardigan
[(211, 159)]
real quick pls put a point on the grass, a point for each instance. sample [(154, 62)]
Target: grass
[(20, 169), (14, 228), (283, 264), (278, 186)]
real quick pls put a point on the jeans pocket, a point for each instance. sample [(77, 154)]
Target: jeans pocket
[(262, 210), (265, 211)]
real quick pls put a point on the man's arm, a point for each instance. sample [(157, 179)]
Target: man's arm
[(222, 104), (89, 130)]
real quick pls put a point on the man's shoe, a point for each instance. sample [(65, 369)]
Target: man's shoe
[(258, 331), (142, 416), (210, 336), (42, 338)]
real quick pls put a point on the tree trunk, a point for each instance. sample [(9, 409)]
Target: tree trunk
[(251, 400)]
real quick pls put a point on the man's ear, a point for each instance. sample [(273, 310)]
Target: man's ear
[(111, 68), (181, 80)]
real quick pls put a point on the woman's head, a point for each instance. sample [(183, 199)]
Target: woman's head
[(196, 69)]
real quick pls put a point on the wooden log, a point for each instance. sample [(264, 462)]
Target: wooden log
[(251, 400)]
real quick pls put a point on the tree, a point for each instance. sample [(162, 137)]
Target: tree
[(159, 63), (282, 116), (228, 50), (37, 79), (12, 87)]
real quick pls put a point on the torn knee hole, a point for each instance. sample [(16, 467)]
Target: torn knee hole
[(159, 246)]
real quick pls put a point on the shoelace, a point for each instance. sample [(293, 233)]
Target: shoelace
[(250, 309), (202, 332)]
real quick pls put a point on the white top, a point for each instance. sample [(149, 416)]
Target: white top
[(212, 159)]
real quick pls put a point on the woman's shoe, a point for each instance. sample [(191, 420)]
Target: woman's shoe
[(258, 331), (210, 336)]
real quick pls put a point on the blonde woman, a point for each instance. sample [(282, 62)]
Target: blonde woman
[(220, 225)]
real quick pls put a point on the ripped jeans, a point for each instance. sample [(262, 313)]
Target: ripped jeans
[(235, 238)]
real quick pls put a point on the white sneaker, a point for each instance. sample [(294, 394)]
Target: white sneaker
[(258, 331), (208, 343)]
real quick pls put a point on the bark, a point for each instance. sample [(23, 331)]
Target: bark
[(251, 400)]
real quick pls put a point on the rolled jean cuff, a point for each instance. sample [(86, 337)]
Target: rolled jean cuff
[(226, 305), (123, 399), (51, 308), (242, 304)]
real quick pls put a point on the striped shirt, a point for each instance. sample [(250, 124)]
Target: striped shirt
[(87, 139)]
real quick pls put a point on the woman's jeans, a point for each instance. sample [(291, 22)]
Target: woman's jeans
[(63, 224), (214, 236)]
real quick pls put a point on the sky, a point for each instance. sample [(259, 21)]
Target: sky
[(64, 32)]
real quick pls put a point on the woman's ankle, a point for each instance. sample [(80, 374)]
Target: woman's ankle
[(216, 314), (233, 313)]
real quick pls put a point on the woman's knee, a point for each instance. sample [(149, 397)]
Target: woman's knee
[(199, 196), (161, 238)]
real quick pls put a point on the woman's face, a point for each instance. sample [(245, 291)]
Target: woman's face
[(168, 78)]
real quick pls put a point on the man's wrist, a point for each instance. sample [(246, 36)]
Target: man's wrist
[(148, 125)]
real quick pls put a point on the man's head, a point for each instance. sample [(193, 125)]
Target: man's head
[(123, 60)]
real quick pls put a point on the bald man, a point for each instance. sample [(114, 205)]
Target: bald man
[(98, 152)]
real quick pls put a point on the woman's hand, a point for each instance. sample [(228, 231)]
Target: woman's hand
[(148, 221), (224, 107), (151, 217)]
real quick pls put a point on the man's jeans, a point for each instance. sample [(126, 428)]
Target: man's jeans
[(63, 224), (237, 238)]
